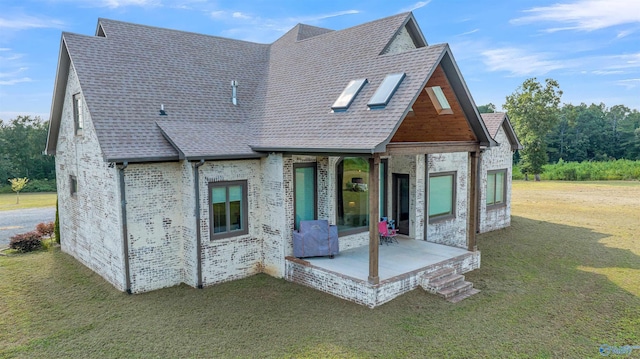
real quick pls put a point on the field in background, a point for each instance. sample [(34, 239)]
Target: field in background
[(27, 200), (563, 280)]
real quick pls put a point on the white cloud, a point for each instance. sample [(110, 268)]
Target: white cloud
[(607, 72), (14, 81), (469, 32), (624, 33), (13, 73), (629, 83), (113, 4), (218, 14), (520, 62), (258, 29), (23, 22), (584, 15), (239, 15), (416, 6), (316, 18)]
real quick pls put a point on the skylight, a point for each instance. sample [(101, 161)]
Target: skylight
[(439, 100), (385, 91), (348, 95)]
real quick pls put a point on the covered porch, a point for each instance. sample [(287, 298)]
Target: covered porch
[(402, 267)]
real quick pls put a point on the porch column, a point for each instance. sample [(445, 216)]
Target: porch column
[(374, 213), (473, 201)]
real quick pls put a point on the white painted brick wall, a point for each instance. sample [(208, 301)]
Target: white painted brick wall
[(155, 225), (495, 158), (276, 229), (236, 257), (90, 221), (452, 232), (401, 42)]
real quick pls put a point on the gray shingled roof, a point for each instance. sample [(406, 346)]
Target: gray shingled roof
[(301, 88), (285, 90), (493, 122)]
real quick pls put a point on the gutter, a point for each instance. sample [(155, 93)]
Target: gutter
[(196, 188), (125, 235)]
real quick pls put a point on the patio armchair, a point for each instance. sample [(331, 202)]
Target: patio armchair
[(315, 239)]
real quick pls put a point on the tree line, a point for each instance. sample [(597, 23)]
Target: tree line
[(22, 142), (551, 133)]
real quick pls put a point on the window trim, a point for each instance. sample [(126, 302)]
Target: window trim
[(73, 185), (314, 165), (454, 196), (245, 210), (504, 189), (78, 118)]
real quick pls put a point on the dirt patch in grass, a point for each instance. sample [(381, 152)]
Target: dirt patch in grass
[(554, 285)]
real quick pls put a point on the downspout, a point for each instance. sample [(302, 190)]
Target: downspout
[(196, 188), (125, 235)]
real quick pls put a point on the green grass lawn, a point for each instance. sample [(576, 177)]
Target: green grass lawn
[(561, 281), (27, 200)]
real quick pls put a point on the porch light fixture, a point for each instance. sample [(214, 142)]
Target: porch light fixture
[(439, 100)]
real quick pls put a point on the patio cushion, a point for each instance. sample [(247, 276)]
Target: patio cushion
[(315, 238)]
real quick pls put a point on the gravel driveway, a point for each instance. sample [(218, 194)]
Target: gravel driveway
[(23, 220)]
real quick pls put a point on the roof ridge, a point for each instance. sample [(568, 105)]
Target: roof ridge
[(174, 30)]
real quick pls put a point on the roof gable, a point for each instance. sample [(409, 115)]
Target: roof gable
[(495, 121)]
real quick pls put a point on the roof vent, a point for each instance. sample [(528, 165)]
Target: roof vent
[(385, 91), (348, 95), (162, 112), (234, 92)]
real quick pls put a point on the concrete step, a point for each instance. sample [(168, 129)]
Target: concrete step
[(463, 295), (454, 290), (439, 274), (451, 280)]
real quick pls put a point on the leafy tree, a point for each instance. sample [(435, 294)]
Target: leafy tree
[(22, 142), (594, 133), (17, 184), (488, 108), (533, 108)]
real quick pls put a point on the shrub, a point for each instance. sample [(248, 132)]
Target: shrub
[(36, 185), (26, 242), (46, 229), (43, 185), (592, 171)]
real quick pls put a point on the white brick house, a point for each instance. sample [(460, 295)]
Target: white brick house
[(187, 158)]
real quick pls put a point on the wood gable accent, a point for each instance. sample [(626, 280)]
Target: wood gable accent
[(426, 125)]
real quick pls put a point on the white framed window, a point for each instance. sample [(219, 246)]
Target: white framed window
[(78, 116)]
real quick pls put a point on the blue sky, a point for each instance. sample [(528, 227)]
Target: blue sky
[(591, 47)]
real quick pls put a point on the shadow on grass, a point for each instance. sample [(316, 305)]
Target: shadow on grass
[(535, 302)]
